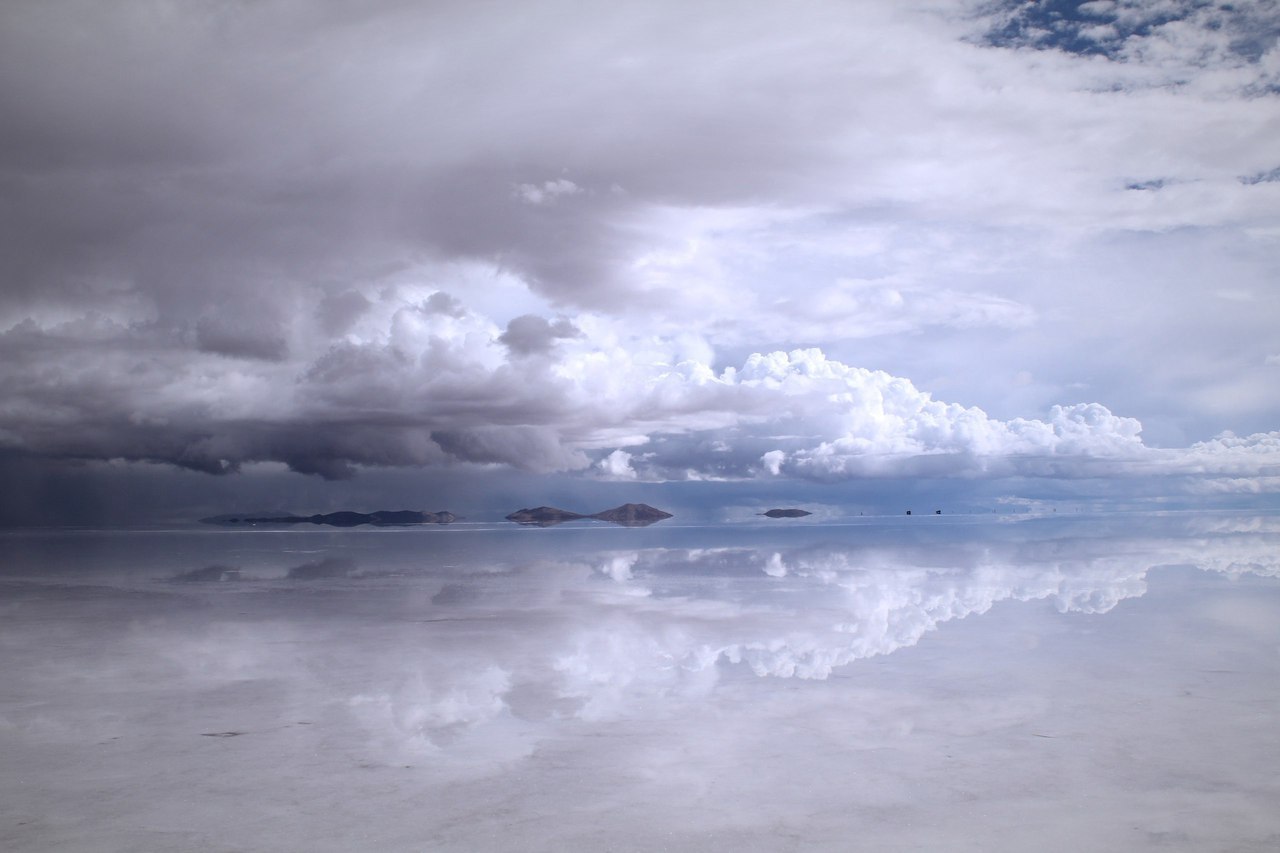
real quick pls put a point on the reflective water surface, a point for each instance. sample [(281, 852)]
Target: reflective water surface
[(1101, 683)]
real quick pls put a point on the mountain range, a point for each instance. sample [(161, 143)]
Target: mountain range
[(628, 515), (343, 518)]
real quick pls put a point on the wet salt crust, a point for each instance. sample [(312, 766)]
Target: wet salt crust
[(1049, 685)]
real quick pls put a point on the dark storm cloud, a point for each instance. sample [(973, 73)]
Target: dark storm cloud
[(529, 448)]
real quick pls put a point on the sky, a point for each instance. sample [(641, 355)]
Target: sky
[(479, 256)]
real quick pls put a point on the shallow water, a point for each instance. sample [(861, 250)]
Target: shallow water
[(1099, 683)]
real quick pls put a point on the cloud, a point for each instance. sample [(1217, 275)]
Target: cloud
[(526, 447), (652, 227), (617, 466), (547, 192), (421, 380), (1237, 486), (529, 334), (338, 312), (219, 336), (1179, 36), (1229, 454)]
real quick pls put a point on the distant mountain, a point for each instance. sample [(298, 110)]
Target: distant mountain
[(787, 513), (628, 515), (543, 516), (344, 518), (632, 515)]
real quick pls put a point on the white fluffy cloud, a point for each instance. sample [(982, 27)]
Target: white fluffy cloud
[(617, 466)]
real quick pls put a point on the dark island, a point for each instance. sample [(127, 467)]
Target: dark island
[(627, 515), (543, 516), (344, 518), (786, 513), (632, 515)]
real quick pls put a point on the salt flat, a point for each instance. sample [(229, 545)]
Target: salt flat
[(1106, 683)]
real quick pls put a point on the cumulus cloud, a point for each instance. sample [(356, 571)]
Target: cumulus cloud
[(421, 381), (617, 466), (1229, 454)]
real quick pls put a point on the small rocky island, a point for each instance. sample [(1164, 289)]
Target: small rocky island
[(627, 515), (543, 516), (632, 515), (344, 518), (786, 513)]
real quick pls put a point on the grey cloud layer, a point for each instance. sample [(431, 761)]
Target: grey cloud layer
[(412, 384), (649, 243)]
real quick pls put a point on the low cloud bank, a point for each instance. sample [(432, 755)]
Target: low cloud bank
[(421, 380)]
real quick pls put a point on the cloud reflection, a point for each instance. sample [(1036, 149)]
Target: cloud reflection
[(488, 652)]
